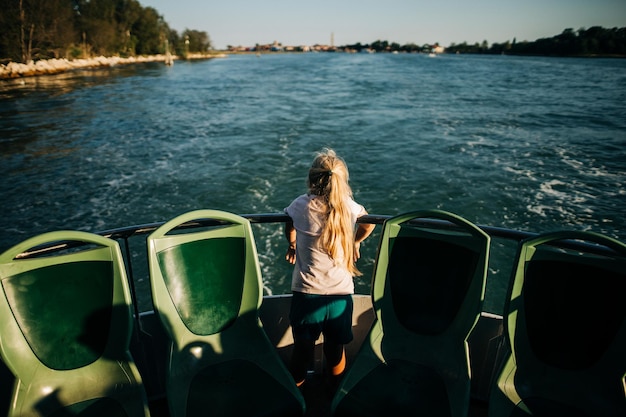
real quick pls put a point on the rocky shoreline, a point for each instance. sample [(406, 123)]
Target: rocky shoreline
[(56, 66)]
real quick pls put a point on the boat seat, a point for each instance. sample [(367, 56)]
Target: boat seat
[(428, 289), (207, 292), (66, 328), (565, 325)]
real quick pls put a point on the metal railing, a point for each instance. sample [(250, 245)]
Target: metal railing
[(508, 239), (123, 234), (126, 232)]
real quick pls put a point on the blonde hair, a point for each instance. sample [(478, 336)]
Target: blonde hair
[(328, 177)]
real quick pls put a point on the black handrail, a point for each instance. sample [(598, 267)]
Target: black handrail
[(125, 232)]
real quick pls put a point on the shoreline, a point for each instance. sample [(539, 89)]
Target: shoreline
[(14, 70)]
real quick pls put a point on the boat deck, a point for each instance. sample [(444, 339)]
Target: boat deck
[(318, 398), (485, 344)]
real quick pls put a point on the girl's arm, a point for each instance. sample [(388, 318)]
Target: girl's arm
[(362, 232), (290, 234)]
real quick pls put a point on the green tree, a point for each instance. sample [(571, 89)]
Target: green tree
[(411, 47), (127, 13), (34, 29), (10, 42), (593, 41), (151, 31), (199, 42), (96, 20), (380, 46)]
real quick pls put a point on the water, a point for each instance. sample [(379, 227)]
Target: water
[(536, 144)]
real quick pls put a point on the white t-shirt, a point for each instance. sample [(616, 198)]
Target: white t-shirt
[(315, 272)]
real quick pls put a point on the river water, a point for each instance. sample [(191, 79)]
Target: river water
[(530, 143)]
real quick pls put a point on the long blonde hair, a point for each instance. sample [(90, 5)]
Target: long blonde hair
[(328, 177)]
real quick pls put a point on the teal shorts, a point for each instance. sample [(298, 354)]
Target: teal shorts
[(313, 314)]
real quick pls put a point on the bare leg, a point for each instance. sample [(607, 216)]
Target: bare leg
[(336, 358), (300, 359)]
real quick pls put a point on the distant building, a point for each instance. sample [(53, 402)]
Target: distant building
[(438, 49)]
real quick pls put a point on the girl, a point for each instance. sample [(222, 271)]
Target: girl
[(323, 247)]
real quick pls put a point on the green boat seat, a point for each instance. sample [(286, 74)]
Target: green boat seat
[(66, 327), (565, 324), (428, 290), (207, 290)]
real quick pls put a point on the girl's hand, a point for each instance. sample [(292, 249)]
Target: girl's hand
[(291, 255), (357, 251)]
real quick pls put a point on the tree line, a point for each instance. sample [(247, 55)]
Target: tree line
[(44, 29), (595, 41)]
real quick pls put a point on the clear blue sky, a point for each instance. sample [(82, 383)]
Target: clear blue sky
[(298, 22)]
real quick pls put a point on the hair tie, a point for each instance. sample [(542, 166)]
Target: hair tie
[(330, 172)]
